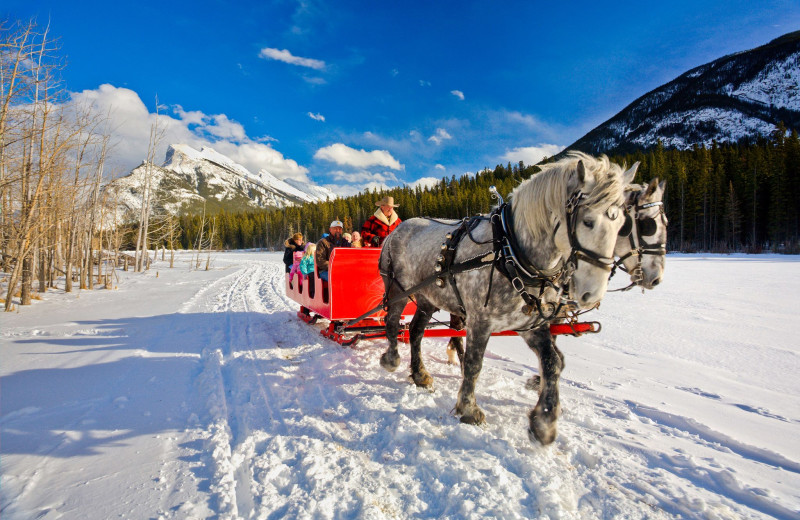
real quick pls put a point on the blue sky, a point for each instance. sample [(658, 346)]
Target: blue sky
[(353, 94)]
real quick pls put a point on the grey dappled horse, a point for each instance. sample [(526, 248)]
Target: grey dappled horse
[(579, 196)]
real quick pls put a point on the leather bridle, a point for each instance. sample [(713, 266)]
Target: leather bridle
[(637, 227)]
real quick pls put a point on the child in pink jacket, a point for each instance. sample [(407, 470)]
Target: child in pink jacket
[(296, 257)]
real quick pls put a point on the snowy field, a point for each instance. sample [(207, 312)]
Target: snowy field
[(194, 394)]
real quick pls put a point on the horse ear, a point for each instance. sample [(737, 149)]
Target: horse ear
[(651, 188), (581, 172), (662, 185), (630, 173)]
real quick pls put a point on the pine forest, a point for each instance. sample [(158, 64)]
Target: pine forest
[(726, 198)]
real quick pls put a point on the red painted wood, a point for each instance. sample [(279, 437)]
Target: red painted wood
[(354, 288)]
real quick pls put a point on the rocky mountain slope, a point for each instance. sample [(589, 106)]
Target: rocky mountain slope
[(740, 96), (188, 178)]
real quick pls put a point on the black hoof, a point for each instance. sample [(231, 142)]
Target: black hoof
[(422, 380), (542, 430), (476, 419), (390, 361)]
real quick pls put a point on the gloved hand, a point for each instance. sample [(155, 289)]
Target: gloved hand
[(376, 241)]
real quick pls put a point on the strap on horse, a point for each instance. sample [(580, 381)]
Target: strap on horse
[(506, 257), (520, 273)]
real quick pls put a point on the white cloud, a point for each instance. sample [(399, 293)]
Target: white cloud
[(344, 155), (287, 57), (365, 177), (316, 117), (130, 121), (346, 190), (394, 73), (314, 80), (223, 128), (523, 119), (194, 117), (424, 83), (440, 167), (458, 94), (424, 182), (256, 156), (531, 154), (352, 183), (440, 136)]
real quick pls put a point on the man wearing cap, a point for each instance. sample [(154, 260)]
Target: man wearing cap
[(326, 245), (378, 226)]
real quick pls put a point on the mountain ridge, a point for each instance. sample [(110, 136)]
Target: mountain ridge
[(741, 96), (189, 178)]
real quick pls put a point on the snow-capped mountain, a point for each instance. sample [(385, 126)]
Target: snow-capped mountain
[(189, 177), (740, 96)]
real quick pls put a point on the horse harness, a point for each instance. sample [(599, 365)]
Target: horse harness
[(635, 228), (506, 258)]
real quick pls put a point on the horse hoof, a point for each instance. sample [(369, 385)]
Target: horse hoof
[(477, 418), (422, 380), (452, 356), (542, 430), (390, 361)]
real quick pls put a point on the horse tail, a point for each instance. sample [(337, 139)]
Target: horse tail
[(385, 263)]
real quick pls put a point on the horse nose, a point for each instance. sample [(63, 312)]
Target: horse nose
[(587, 299), (656, 281)]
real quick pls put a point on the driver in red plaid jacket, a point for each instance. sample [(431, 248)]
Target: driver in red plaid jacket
[(378, 226)]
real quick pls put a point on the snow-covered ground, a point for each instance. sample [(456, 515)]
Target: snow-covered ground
[(194, 394)]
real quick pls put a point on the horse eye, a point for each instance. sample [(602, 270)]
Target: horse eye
[(588, 223)]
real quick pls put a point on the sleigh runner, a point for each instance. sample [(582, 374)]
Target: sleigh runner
[(355, 290)]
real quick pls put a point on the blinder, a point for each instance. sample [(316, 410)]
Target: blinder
[(627, 227), (647, 226)]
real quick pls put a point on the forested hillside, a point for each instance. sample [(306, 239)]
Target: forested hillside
[(722, 198)]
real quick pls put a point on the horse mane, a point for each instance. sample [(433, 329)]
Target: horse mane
[(546, 191)]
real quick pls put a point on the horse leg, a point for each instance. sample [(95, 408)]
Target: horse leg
[(390, 359), (535, 381), (466, 406), (544, 415), (455, 347), (416, 331)]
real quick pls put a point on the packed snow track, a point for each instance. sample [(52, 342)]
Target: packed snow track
[(197, 394)]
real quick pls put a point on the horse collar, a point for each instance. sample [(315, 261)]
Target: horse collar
[(511, 249)]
